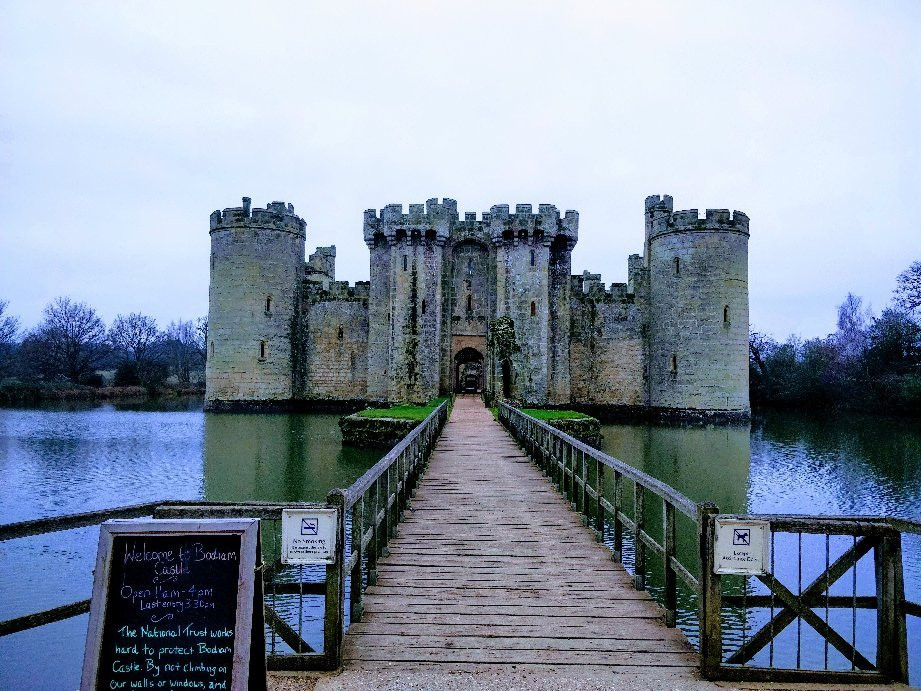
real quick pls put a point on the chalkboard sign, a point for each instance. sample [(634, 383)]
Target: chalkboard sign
[(176, 605)]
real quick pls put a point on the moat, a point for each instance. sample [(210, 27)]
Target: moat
[(58, 460)]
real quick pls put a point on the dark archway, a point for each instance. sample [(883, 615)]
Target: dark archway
[(468, 371)]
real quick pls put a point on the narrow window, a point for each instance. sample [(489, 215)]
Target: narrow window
[(673, 365), (212, 262), (262, 350), (212, 348), (423, 307), (470, 265), (470, 303), (532, 257), (339, 334), (533, 309), (405, 262), (268, 304), (677, 266), (726, 314)]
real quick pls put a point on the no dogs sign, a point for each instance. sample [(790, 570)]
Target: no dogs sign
[(742, 547)]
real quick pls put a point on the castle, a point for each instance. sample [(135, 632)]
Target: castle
[(483, 304)]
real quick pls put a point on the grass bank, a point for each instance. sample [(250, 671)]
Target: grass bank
[(405, 411)]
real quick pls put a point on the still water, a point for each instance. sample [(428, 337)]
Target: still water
[(789, 463), (70, 459)]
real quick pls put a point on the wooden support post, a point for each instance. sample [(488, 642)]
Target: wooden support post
[(670, 594), (584, 471), (599, 507), (618, 552), (335, 587), (892, 637), (375, 533), (357, 595), (639, 547), (711, 638)]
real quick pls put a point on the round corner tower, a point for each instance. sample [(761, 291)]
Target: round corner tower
[(257, 259), (698, 296)]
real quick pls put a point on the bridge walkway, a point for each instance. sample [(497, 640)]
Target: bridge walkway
[(492, 571)]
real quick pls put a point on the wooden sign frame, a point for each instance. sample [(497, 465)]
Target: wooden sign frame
[(249, 670)]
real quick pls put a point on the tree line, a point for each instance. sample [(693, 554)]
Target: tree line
[(71, 344), (870, 363)]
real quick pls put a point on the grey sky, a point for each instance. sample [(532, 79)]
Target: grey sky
[(123, 125)]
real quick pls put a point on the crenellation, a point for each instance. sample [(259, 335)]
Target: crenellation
[(275, 215)]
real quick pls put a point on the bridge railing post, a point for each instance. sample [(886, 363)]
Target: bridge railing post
[(711, 637), (892, 637), (356, 591), (670, 594), (335, 588), (639, 547), (599, 499), (375, 534), (618, 524)]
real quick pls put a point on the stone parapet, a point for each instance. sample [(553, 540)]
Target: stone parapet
[(276, 215)]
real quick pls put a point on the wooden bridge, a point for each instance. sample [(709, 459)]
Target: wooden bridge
[(492, 570)]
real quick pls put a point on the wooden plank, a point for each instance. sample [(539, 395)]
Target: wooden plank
[(567, 657)]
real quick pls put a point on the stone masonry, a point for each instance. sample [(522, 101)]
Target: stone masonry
[(673, 339)]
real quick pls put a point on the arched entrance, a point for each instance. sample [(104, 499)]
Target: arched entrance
[(468, 371)]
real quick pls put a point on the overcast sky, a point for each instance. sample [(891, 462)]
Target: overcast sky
[(123, 125)]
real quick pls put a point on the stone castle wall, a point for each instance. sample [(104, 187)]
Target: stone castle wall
[(335, 342), (674, 337), (607, 352)]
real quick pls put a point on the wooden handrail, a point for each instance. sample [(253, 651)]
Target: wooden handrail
[(674, 497), (355, 491)]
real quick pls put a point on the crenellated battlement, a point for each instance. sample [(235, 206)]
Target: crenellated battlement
[(664, 202), (337, 290), (661, 219), (714, 219), (277, 215), (440, 222), (545, 225), (590, 286)]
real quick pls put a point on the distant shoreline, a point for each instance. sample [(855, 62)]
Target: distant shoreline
[(17, 394)]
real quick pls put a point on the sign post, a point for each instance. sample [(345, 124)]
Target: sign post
[(176, 604)]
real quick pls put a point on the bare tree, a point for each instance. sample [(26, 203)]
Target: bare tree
[(853, 321), (184, 347), (9, 329), (908, 288), (69, 341), (134, 335), (201, 338)]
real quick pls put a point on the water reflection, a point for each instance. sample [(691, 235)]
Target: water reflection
[(282, 457), (704, 463)]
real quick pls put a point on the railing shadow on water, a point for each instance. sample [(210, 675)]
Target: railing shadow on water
[(304, 606), (830, 573)]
